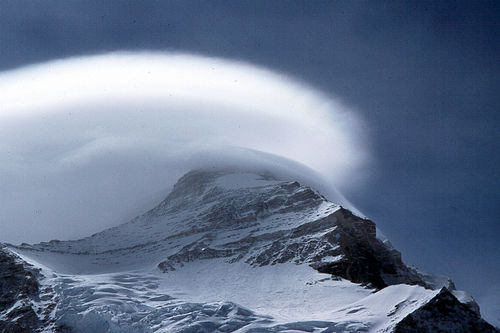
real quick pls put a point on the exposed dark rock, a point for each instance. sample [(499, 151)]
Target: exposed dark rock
[(19, 291), (366, 259), (444, 313), (18, 287)]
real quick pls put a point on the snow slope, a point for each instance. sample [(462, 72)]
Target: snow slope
[(236, 297)]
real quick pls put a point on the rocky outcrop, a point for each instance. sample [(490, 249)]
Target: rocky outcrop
[(444, 313), (365, 258), (18, 290)]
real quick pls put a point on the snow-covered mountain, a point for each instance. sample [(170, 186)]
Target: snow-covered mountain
[(229, 251)]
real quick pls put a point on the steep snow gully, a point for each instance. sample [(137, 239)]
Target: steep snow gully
[(229, 251)]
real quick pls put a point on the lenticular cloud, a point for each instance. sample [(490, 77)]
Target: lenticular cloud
[(86, 143)]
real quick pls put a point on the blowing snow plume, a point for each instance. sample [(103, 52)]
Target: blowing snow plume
[(84, 142)]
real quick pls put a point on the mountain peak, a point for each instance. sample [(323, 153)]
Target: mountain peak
[(267, 243), (196, 182)]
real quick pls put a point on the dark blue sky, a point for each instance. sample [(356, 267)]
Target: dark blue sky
[(424, 75)]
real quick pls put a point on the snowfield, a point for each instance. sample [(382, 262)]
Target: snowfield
[(228, 297)]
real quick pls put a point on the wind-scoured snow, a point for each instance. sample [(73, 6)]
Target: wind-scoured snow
[(235, 181)]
